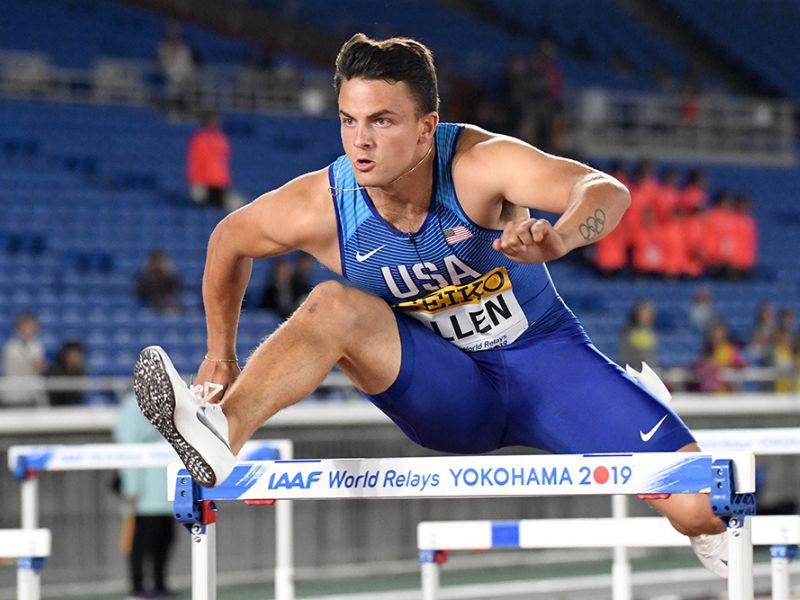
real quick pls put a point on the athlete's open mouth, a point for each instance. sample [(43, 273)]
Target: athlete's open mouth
[(363, 164)]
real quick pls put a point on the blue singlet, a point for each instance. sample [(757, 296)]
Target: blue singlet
[(491, 355)]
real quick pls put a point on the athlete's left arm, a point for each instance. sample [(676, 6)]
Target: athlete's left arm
[(590, 202)]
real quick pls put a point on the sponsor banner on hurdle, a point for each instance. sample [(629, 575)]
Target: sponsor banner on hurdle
[(464, 476)]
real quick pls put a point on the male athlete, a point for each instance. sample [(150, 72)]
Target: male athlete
[(450, 323)]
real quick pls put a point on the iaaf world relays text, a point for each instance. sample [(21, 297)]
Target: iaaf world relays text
[(451, 478)]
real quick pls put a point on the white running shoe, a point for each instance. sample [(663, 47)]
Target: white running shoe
[(712, 550), (197, 430)]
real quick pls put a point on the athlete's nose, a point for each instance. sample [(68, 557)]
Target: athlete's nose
[(362, 139)]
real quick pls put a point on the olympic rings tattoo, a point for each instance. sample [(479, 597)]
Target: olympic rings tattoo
[(594, 225)]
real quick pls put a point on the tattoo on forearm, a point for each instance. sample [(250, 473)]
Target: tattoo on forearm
[(594, 225)]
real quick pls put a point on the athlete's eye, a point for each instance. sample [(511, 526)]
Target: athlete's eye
[(348, 122), (382, 122)]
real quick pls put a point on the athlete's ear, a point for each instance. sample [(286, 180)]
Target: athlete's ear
[(428, 123)]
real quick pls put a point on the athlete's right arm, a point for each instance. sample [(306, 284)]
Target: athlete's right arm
[(297, 216)]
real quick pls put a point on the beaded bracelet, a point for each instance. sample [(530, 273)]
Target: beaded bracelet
[(218, 360)]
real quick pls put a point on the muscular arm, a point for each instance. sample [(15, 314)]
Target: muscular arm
[(496, 170), (295, 216)]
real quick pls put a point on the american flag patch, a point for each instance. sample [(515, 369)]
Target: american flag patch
[(456, 234)]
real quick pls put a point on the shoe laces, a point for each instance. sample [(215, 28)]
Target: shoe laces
[(204, 392)]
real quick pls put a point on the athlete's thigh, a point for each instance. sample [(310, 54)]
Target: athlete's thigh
[(443, 398), (570, 398), (367, 326)]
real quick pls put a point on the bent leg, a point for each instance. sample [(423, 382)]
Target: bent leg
[(337, 324), (689, 514), (573, 399)]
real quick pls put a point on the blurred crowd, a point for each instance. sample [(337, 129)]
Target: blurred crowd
[(773, 343), (672, 229)]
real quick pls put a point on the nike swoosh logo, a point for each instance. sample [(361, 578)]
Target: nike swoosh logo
[(201, 416), (646, 436), (362, 257)]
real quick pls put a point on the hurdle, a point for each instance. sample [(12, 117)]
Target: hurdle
[(783, 531), (31, 548), (436, 538), (730, 480), (26, 462), (764, 441)]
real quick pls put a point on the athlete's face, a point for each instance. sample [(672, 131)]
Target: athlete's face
[(382, 132)]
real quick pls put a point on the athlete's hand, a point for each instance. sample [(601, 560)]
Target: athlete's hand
[(531, 241), (220, 373)]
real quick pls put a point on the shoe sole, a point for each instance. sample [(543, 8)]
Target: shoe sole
[(156, 399)]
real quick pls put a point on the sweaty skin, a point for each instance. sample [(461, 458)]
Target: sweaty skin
[(390, 146)]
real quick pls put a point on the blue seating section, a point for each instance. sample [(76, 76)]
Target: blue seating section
[(757, 35), (605, 29), (77, 32), (99, 187), (102, 186)]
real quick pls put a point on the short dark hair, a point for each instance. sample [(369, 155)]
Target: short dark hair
[(393, 59)]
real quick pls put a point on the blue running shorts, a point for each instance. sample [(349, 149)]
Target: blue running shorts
[(551, 389)]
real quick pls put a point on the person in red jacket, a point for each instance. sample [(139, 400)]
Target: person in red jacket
[(208, 163), (648, 245), (693, 196), (674, 245), (694, 231), (667, 195), (745, 237), (720, 235)]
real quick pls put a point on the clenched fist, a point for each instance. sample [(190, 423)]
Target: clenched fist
[(531, 241)]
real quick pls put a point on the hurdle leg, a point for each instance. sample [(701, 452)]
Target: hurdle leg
[(740, 558), (284, 572), (28, 579), (429, 564), (782, 555), (204, 554), (621, 583)]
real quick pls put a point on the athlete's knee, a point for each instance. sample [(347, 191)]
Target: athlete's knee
[(337, 303), (694, 516)]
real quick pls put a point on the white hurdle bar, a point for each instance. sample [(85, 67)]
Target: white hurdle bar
[(26, 462), (762, 441), (730, 480), (30, 548), (435, 538)]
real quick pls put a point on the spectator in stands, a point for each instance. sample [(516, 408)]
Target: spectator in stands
[(639, 341), (694, 196), (719, 352), (694, 239), (208, 164), (648, 245), (701, 312), (667, 195), (178, 67), (159, 285), (787, 320), (759, 349), (282, 295), (719, 236), (23, 356), (70, 362), (145, 503), (674, 245), (784, 361), (644, 188), (745, 239)]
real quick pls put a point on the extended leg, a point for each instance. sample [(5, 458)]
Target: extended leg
[(337, 325)]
